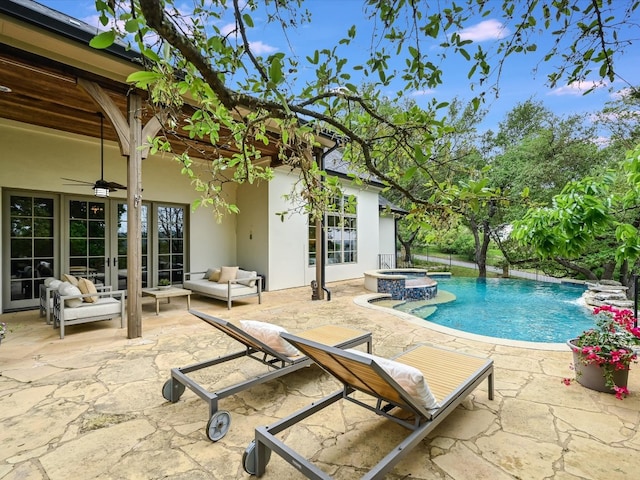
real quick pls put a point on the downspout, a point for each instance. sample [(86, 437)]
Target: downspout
[(323, 257), (395, 241)]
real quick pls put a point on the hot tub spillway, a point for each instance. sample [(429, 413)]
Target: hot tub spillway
[(423, 288), (409, 284)]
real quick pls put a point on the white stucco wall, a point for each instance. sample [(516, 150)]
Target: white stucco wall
[(387, 235), (288, 240), (252, 230)]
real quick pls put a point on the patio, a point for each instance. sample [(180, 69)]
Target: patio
[(90, 406)]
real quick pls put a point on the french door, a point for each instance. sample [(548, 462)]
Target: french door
[(30, 239), (88, 243), (47, 235), (117, 261)]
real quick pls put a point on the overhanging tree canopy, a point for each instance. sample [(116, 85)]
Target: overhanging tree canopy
[(189, 55)]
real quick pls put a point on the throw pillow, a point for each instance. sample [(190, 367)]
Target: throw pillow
[(54, 284), (408, 377), (214, 276), (86, 286), (70, 278), (208, 273), (227, 273), (65, 289), (48, 280), (269, 335), (244, 274)]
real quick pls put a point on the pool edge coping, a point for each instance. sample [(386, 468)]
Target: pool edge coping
[(366, 302)]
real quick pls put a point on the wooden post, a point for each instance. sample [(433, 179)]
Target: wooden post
[(130, 137), (134, 219)]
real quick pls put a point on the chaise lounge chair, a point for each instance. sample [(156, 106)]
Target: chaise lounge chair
[(450, 377), (277, 364)]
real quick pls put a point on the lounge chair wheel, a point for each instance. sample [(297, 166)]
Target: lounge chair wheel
[(172, 391), (249, 458), (218, 425)]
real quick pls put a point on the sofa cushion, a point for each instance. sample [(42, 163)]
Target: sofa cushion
[(214, 276), (86, 286), (269, 334), (103, 307), (66, 289), (228, 273), (408, 377), (53, 284), (245, 274), (67, 277)]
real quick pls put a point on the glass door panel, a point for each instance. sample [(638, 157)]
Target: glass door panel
[(87, 239), (171, 243), (120, 264), (31, 239)]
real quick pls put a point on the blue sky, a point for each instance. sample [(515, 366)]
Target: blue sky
[(332, 18)]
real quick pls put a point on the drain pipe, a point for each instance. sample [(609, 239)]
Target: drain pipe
[(323, 257)]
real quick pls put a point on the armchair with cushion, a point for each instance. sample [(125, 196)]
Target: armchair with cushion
[(73, 305), (51, 285)]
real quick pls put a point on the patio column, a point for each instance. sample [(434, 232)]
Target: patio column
[(134, 218), (130, 137)]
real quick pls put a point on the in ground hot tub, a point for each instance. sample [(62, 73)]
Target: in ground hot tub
[(401, 283)]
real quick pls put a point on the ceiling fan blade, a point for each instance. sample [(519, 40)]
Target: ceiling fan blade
[(83, 182), (113, 186)]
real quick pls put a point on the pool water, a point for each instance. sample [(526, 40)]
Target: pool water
[(510, 308)]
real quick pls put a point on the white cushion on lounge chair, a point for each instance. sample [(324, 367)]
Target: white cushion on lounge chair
[(408, 377), (269, 334)]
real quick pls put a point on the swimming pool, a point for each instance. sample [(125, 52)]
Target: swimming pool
[(508, 308)]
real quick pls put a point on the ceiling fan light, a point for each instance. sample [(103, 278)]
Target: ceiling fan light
[(101, 192)]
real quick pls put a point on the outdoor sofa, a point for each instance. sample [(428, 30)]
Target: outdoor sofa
[(225, 283)]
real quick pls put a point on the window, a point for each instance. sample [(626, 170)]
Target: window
[(341, 233)]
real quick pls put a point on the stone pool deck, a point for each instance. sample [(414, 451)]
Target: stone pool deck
[(90, 406)]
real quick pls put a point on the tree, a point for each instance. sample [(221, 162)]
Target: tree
[(239, 94), (593, 223)]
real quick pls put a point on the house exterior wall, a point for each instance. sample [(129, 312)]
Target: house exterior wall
[(252, 230), (37, 159), (387, 234), (288, 240)]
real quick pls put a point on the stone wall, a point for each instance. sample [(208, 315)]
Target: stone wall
[(607, 292)]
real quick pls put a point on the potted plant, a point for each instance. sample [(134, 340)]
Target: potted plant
[(164, 283), (602, 355)]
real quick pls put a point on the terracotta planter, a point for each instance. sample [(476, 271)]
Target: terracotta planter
[(591, 375)]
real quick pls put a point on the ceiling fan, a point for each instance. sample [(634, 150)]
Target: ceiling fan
[(101, 187)]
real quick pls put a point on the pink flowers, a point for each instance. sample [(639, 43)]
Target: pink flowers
[(610, 344)]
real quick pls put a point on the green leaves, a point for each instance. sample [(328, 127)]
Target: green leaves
[(143, 79), (103, 40)]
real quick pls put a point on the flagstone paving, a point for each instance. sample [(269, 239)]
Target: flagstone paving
[(90, 406)]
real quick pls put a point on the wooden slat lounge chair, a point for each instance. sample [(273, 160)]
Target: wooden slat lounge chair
[(451, 376), (277, 365)]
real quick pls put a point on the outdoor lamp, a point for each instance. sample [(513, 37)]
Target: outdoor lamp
[(101, 192)]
